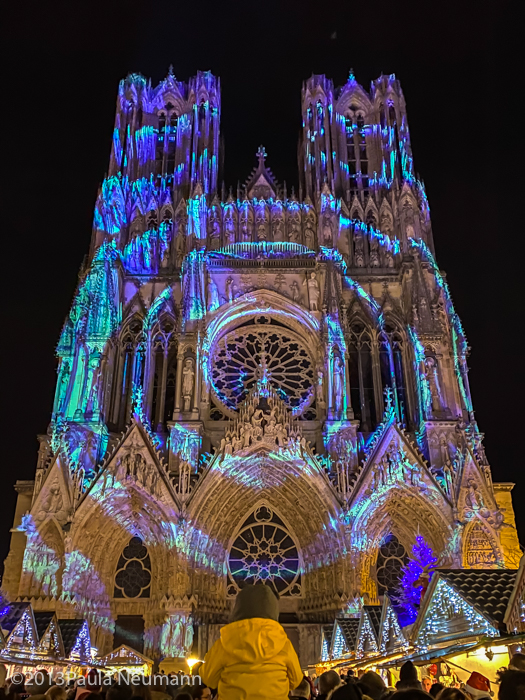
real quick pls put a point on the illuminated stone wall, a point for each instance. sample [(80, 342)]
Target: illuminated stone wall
[(259, 363)]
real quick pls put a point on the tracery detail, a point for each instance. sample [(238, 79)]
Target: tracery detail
[(240, 354), (264, 551), (133, 577)]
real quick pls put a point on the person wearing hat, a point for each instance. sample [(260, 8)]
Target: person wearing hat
[(253, 657), (408, 677), (478, 686)]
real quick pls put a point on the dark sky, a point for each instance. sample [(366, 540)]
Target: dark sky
[(59, 91)]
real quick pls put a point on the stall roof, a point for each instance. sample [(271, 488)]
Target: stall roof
[(42, 621), (374, 615), (487, 590), (70, 629), (349, 628), (13, 615)]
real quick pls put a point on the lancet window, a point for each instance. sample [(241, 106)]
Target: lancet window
[(130, 361), (391, 363), (362, 377), (374, 366), (133, 575), (163, 368), (356, 149), (166, 141), (391, 558)]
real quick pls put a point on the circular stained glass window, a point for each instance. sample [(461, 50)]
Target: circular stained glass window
[(264, 551), (240, 354)]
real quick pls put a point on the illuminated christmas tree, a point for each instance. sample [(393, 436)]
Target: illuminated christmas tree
[(414, 581), (4, 603)]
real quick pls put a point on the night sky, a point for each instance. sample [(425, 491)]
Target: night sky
[(60, 81)]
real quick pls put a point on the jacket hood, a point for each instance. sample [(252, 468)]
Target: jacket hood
[(254, 640), (256, 601)]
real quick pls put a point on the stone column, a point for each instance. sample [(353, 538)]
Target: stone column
[(349, 409), (162, 401)]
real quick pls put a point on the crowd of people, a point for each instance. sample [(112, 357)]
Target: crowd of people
[(370, 686), (42, 686), (254, 660)]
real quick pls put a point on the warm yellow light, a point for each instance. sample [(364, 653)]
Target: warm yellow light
[(191, 662)]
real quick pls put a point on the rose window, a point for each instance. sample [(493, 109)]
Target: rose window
[(240, 355), (133, 577), (264, 551)]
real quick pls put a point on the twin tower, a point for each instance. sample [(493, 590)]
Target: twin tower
[(254, 384)]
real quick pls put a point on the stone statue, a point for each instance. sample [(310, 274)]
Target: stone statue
[(339, 382), (229, 289), (214, 231), (313, 291), (374, 252), (246, 228), (293, 231), (309, 234), (295, 290), (433, 382), (278, 229), (229, 229), (328, 230), (188, 375), (319, 388), (213, 295), (262, 233), (359, 254)]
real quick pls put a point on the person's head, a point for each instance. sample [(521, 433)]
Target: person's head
[(478, 686), (408, 672), (39, 683), (426, 683), (328, 681), (201, 692), (348, 691), (436, 689), (452, 694), (93, 681), (141, 691), (372, 685), (3, 674), (119, 691), (303, 690), (56, 692), (256, 601), (512, 686), (517, 663), (409, 694)]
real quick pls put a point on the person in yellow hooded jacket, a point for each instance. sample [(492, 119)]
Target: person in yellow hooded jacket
[(253, 659)]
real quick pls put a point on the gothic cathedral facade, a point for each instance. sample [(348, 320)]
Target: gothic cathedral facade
[(253, 384)]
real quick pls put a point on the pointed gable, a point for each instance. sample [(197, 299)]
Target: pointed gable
[(391, 636), (463, 603), (326, 641), (49, 637), (19, 622), (261, 183), (368, 632), (76, 639), (134, 459), (344, 637)]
